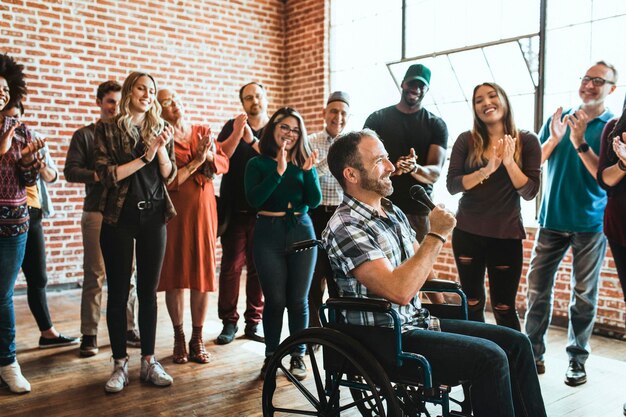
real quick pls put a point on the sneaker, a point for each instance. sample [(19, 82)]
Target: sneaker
[(575, 374), (541, 367), (228, 334), (297, 368), (264, 367), (12, 376), (153, 372), (88, 346), (133, 339), (60, 340), (119, 377), (252, 332)]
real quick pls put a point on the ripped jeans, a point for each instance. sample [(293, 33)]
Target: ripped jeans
[(502, 258)]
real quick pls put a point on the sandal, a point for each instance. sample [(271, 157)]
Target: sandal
[(197, 351), (179, 355)]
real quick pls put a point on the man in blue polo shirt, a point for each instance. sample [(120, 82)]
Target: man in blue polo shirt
[(571, 215)]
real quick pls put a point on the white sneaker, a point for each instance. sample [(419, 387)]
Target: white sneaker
[(119, 377), (153, 372), (12, 376)]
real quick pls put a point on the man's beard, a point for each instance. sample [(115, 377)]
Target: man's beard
[(383, 188)]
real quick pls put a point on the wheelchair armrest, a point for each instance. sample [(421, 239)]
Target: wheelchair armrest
[(362, 304), (304, 245), (434, 285)]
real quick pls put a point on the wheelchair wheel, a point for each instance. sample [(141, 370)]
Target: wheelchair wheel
[(329, 369)]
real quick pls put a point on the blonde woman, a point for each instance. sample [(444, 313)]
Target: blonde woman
[(493, 165), (134, 161)]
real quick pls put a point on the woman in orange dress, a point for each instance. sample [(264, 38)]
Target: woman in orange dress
[(190, 253)]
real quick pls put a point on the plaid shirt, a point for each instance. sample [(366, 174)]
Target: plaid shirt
[(355, 234), (331, 190)]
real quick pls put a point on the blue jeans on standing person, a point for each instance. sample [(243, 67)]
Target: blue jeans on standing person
[(11, 255), (588, 249), (285, 277)]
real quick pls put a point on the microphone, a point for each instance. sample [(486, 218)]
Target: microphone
[(418, 193)]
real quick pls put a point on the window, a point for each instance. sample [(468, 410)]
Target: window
[(465, 43)]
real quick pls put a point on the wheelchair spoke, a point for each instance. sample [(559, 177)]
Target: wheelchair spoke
[(303, 390), (318, 378)]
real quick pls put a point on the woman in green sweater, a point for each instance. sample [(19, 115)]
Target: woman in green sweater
[(282, 184)]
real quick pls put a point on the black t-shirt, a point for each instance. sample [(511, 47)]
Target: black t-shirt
[(399, 133), (232, 190)]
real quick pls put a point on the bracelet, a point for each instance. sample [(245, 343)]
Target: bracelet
[(483, 176), (437, 236), (145, 159), (621, 165)]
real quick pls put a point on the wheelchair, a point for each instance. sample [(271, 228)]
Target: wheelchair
[(347, 377)]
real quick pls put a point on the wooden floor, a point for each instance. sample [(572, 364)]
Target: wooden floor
[(65, 385)]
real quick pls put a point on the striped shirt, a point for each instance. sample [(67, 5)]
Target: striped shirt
[(332, 192), (356, 234)]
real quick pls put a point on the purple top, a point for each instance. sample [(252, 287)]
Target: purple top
[(614, 221), (492, 209)]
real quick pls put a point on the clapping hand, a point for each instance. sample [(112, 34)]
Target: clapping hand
[(248, 136), (496, 157), (281, 159), (239, 123), (310, 161), (558, 126), (577, 123), (29, 152), (159, 142), (406, 163), (508, 150), (619, 147), (206, 147)]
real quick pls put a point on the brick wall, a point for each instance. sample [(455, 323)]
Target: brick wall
[(306, 52), (204, 49)]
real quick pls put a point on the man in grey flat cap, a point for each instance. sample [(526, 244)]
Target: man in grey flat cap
[(416, 141), (336, 115)]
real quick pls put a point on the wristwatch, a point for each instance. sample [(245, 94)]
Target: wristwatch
[(584, 147), (145, 159)]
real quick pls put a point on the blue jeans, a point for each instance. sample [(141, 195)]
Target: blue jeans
[(11, 255), (285, 277), (588, 250)]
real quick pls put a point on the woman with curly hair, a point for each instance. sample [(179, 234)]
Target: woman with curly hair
[(134, 161), (19, 167), (282, 184), (493, 165)]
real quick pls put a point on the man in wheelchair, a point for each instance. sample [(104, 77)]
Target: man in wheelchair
[(373, 253)]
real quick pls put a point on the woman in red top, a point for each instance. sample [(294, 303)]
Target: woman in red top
[(190, 253)]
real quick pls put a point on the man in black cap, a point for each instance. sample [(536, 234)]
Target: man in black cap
[(416, 141), (336, 115)]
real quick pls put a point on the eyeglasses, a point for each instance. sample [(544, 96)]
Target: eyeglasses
[(596, 81), (259, 97), (168, 102), (286, 129)]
